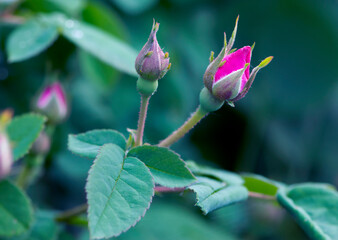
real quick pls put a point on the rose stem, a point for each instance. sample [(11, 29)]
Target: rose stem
[(186, 127), (142, 119)]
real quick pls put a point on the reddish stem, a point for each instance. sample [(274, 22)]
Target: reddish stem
[(166, 189)]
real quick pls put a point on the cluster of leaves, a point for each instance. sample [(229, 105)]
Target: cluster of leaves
[(40, 32), (16, 208), (122, 180)]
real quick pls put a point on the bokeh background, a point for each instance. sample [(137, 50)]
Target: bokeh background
[(286, 128)]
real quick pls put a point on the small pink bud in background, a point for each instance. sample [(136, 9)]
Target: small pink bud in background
[(6, 158), (52, 102), (151, 63)]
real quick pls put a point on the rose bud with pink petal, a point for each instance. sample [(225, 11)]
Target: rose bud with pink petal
[(6, 157), (151, 63), (228, 76), (232, 75), (52, 102), (232, 78)]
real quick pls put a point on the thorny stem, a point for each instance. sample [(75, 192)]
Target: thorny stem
[(67, 215), (30, 170), (161, 189), (33, 164), (142, 119), (185, 128)]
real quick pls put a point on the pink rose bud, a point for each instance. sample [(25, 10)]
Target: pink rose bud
[(151, 63), (228, 77), (52, 102), (6, 158)]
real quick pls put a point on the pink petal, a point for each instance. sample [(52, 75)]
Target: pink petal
[(45, 97), (60, 97), (235, 61), (6, 158)]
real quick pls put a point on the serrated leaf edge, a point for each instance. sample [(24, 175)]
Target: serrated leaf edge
[(55, 37), (103, 130), (198, 202), (289, 205), (179, 157), (30, 208), (41, 128), (146, 209)]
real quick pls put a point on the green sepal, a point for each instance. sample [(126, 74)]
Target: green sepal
[(146, 87), (229, 87), (208, 102)]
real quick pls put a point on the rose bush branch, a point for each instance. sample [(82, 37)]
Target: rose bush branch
[(261, 196), (160, 189), (71, 213), (227, 79), (195, 118)]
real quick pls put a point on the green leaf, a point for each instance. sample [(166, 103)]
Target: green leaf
[(167, 168), (259, 184), (134, 7), (168, 221), (100, 73), (314, 207), (29, 40), (100, 44), (221, 175), (39, 33), (23, 131), (102, 16), (44, 228), (212, 194), (216, 188), (119, 192), (69, 7), (88, 144), (15, 210)]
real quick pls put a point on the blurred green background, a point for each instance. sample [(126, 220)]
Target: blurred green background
[(286, 128)]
